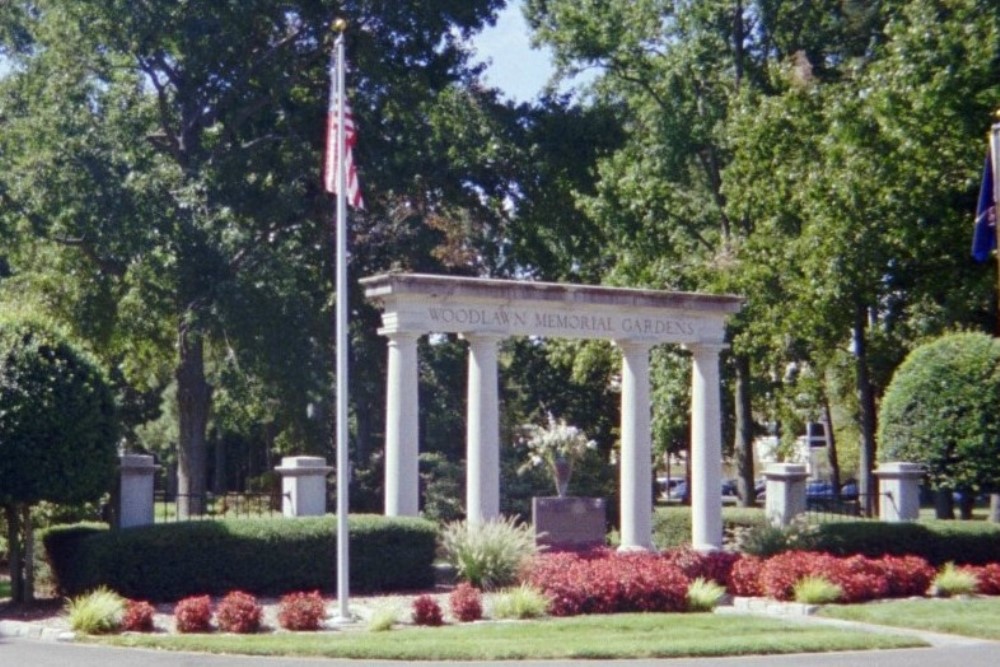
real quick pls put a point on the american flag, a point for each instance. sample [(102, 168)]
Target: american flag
[(353, 194)]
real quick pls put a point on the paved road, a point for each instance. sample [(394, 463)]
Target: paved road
[(19, 652)]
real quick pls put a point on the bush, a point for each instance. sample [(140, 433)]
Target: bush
[(466, 603), (713, 566), (301, 611), (488, 555), (519, 603), (937, 542), (951, 581), (138, 616), (744, 577), (97, 612), (704, 594), (940, 410), (383, 618), (609, 583), (426, 611), (194, 614), (239, 612), (816, 590), (167, 562), (672, 525), (987, 578)]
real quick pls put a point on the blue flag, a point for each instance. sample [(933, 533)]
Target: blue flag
[(984, 238)]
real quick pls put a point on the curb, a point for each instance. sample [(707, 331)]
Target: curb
[(35, 631)]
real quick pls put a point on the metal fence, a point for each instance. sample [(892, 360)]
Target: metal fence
[(827, 508), (191, 507)]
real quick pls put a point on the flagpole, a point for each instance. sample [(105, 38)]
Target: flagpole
[(994, 156), (343, 460)]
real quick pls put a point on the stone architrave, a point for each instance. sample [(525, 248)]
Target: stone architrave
[(484, 312), (899, 491)]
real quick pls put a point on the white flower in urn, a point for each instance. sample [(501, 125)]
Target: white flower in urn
[(558, 446)]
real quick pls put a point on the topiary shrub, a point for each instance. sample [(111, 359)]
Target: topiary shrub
[(239, 612), (138, 616), (426, 611), (940, 410), (466, 603)]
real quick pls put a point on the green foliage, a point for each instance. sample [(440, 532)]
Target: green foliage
[(488, 555), (764, 540), (938, 542), (951, 581), (383, 618), (672, 525), (521, 602), (940, 410), (816, 590), (58, 428), (261, 556), (98, 612), (704, 595)]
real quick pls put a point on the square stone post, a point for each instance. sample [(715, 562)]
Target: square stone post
[(402, 426), (899, 491), (636, 454), (482, 494), (706, 448), (786, 492), (136, 491), (303, 485)]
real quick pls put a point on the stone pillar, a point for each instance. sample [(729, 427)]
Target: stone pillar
[(402, 427), (899, 491), (136, 492), (636, 454), (706, 448), (303, 485), (482, 495), (786, 492)]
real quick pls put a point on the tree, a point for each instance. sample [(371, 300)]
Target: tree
[(940, 410), (58, 433)]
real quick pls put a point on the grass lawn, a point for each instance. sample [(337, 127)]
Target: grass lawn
[(978, 617), (4, 588), (591, 637)]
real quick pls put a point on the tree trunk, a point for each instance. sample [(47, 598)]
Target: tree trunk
[(14, 558), (194, 399), (28, 531), (743, 447), (831, 447), (866, 412), (944, 504)]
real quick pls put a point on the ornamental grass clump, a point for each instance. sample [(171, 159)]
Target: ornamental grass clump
[(704, 594), (98, 612), (952, 581), (488, 555), (520, 603), (816, 590)]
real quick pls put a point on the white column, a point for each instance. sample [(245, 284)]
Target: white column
[(636, 454), (706, 448), (482, 495), (402, 427)]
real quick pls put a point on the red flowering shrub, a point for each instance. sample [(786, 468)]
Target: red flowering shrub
[(194, 614), (426, 611), (906, 575), (713, 566), (987, 577), (859, 578), (744, 577), (138, 616), (780, 573), (301, 611), (239, 612), (610, 584), (466, 603)]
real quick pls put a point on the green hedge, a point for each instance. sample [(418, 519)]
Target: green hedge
[(672, 525), (960, 542), (166, 562)]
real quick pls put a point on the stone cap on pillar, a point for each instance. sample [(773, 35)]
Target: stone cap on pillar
[(137, 463), (900, 470), (789, 471), (296, 466)]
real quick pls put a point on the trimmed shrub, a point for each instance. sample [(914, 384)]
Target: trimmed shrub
[(937, 542), (426, 611), (609, 584), (672, 525), (987, 578), (713, 566), (138, 616), (301, 611), (744, 577), (906, 575), (167, 562), (466, 602), (194, 614), (490, 554), (239, 612)]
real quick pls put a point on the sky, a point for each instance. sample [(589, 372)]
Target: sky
[(517, 69)]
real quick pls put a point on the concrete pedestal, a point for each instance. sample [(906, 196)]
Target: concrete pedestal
[(303, 484), (136, 492), (786, 492), (899, 491)]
